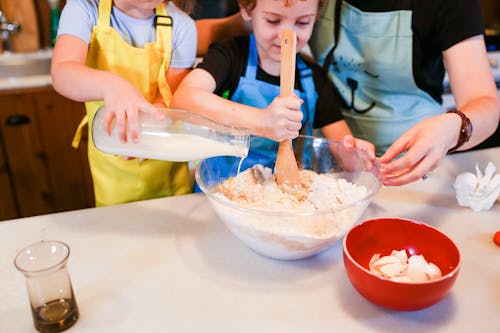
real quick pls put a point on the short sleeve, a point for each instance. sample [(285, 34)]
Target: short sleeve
[(78, 17), (458, 20), (184, 38), (226, 62)]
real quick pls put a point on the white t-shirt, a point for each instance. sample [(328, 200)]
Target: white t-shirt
[(78, 17)]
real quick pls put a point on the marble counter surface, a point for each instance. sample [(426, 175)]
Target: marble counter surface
[(169, 265)]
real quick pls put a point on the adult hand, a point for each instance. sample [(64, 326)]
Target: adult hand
[(424, 146), (282, 119)]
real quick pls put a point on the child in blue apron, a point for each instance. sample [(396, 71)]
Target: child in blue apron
[(238, 83)]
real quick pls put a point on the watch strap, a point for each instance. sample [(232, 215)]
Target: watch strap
[(465, 130)]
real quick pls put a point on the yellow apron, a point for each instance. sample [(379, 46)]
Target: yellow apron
[(116, 180)]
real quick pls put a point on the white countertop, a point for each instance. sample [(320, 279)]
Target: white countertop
[(169, 265)]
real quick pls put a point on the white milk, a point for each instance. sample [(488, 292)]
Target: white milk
[(187, 137), (174, 147)]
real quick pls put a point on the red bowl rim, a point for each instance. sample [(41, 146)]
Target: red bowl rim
[(454, 272)]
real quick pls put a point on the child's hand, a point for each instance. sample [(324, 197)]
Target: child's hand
[(355, 154), (123, 103), (350, 142), (282, 119)]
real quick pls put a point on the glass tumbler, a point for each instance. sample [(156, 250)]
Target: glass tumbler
[(50, 293)]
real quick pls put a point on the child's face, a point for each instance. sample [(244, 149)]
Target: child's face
[(269, 17)]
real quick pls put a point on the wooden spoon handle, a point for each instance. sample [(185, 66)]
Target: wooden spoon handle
[(288, 56), (286, 169)]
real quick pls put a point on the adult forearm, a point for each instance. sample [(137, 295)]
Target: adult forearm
[(473, 88), (484, 114)]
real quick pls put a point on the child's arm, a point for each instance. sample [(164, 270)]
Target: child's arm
[(351, 159), (339, 131), (174, 78), (279, 121), (74, 80)]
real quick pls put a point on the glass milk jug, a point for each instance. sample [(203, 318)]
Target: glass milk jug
[(182, 136)]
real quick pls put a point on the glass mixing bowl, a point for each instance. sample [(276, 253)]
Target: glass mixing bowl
[(282, 233)]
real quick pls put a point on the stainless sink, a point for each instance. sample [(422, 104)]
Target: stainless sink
[(19, 65), (25, 70)]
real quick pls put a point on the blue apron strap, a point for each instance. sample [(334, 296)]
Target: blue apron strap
[(309, 88), (253, 59)]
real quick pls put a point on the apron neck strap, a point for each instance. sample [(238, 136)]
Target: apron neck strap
[(104, 12), (163, 24), (253, 59)]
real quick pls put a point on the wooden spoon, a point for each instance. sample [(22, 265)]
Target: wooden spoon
[(286, 170)]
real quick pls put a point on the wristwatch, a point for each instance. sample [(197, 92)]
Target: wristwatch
[(465, 130)]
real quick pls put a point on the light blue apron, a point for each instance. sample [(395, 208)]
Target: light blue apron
[(260, 94), (372, 68)]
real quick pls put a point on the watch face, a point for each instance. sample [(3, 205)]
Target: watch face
[(468, 129)]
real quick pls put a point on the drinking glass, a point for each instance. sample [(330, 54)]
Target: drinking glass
[(50, 293)]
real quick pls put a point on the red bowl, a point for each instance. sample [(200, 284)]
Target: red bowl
[(386, 234)]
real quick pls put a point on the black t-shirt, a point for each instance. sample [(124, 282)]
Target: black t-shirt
[(437, 25), (227, 62)]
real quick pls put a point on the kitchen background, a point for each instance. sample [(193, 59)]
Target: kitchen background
[(40, 172), (34, 15)]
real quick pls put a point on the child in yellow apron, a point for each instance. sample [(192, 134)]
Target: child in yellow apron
[(117, 180)]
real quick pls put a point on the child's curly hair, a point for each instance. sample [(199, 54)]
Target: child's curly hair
[(249, 5), (186, 6)]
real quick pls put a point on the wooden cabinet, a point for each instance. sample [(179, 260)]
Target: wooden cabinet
[(7, 204), (40, 172)]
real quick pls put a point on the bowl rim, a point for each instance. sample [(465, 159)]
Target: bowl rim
[(223, 200), (451, 274)]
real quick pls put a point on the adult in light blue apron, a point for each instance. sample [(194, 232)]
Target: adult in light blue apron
[(382, 96), (260, 94)]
